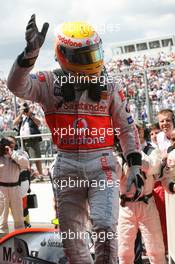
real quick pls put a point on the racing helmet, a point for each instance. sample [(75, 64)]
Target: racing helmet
[(78, 49)]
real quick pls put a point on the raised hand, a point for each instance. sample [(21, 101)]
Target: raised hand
[(34, 38)]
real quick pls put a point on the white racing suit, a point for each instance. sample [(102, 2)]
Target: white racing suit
[(82, 157), (163, 143), (143, 214), (10, 195)]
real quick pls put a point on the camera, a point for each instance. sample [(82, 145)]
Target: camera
[(25, 107), (26, 110)]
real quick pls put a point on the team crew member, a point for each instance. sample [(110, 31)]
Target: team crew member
[(166, 123), (142, 213), (154, 131), (171, 151), (10, 195), (24, 180), (83, 110)]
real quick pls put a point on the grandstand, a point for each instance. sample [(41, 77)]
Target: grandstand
[(149, 47)]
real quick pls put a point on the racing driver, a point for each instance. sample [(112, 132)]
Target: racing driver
[(82, 117)]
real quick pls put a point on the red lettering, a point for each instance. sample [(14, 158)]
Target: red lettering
[(106, 168), (69, 42)]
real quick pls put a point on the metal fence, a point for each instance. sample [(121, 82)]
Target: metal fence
[(47, 148)]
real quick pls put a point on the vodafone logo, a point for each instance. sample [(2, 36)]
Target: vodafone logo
[(69, 42), (80, 123)]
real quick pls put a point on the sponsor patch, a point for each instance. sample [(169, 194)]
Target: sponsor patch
[(41, 77), (33, 76), (69, 42), (122, 95), (85, 107), (130, 120)]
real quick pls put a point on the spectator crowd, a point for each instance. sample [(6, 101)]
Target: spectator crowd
[(160, 80), (8, 107)]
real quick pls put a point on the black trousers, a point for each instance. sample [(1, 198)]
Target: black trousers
[(138, 249)]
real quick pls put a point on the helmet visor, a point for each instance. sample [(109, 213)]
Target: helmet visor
[(84, 56)]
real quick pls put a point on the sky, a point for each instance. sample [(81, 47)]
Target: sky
[(115, 21)]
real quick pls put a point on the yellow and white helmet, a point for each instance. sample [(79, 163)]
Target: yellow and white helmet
[(78, 49)]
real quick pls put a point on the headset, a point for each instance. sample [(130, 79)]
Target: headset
[(173, 117)]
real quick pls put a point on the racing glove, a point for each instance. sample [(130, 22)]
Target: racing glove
[(35, 40), (135, 177)]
